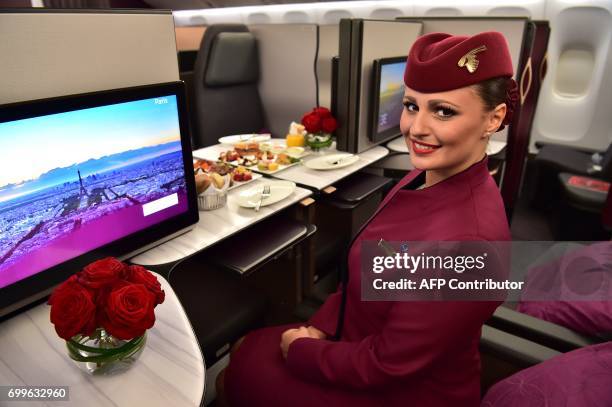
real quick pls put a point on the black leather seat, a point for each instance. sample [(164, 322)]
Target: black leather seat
[(553, 159), (580, 208), (220, 306), (583, 198), (220, 302), (225, 80), (395, 165), (339, 216)]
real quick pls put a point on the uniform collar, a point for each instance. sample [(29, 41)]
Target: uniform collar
[(474, 175)]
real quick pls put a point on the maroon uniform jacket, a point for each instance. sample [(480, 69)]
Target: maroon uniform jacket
[(390, 353)]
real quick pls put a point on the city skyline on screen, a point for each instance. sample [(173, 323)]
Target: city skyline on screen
[(32, 147)]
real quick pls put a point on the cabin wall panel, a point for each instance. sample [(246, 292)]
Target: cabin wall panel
[(328, 48), (381, 39), (189, 38), (287, 62), (55, 54), (576, 95)]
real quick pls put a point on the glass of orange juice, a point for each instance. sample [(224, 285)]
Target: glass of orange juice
[(295, 140)]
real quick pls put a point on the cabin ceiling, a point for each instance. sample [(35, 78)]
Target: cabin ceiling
[(198, 4), (165, 4)]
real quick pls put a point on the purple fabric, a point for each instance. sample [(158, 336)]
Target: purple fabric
[(592, 318), (564, 286), (579, 378)]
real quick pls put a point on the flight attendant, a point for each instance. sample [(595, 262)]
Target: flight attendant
[(459, 92)]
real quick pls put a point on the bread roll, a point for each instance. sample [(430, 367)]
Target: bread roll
[(218, 180), (202, 182)]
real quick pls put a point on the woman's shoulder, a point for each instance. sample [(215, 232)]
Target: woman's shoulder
[(490, 212), (477, 213)]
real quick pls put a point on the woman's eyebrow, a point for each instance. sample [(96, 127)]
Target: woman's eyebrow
[(409, 99), (435, 102)]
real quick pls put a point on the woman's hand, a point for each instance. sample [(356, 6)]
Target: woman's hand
[(291, 335), (315, 333)]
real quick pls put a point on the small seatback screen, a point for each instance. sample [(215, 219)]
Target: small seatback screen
[(388, 95)]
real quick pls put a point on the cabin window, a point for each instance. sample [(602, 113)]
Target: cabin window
[(386, 13), (334, 16), (574, 71), (259, 18), (443, 12), (510, 12)]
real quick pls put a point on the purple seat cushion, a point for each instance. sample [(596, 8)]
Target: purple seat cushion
[(573, 290), (579, 378), (591, 318)]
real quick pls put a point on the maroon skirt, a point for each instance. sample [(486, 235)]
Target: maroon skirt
[(257, 376)]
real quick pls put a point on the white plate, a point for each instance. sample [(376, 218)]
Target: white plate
[(280, 168), (279, 190), (237, 138), (332, 161), (237, 184)]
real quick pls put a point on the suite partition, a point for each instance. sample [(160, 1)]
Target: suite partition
[(53, 53), (287, 86), (533, 72), (361, 42), (328, 52), (47, 53)]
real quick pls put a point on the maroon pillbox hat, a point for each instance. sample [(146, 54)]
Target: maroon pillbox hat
[(439, 62)]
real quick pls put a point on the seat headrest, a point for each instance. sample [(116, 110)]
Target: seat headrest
[(233, 60)]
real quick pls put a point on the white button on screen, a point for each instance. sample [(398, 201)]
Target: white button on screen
[(159, 204)]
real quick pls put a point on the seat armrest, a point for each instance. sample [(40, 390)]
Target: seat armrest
[(358, 187), (514, 349), (541, 144), (537, 330), (259, 244)]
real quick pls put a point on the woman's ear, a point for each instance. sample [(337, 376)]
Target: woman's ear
[(496, 118)]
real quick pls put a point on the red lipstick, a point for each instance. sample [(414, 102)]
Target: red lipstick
[(420, 147)]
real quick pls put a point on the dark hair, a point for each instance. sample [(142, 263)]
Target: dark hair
[(499, 90), (493, 91)]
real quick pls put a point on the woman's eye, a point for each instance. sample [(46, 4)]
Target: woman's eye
[(445, 112), (411, 107)]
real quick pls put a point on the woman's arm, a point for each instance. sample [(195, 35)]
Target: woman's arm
[(326, 318), (415, 336)]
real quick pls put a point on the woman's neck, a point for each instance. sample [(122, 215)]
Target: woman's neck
[(432, 177)]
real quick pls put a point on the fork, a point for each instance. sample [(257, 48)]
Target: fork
[(264, 194), (339, 160)]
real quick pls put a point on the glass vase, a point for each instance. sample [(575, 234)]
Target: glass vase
[(319, 142), (104, 354)]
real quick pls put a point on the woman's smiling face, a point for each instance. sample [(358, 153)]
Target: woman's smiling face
[(447, 132)]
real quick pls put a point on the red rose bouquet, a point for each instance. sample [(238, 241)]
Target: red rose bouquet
[(320, 124), (104, 310)]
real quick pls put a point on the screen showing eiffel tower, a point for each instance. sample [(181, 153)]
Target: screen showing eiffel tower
[(74, 181)]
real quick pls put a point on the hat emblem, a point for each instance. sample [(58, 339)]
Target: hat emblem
[(469, 60)]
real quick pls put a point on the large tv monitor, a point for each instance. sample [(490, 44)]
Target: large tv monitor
[(387, 96), (87, 176)]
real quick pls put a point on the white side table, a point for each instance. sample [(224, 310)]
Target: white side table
[(170, 371)]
